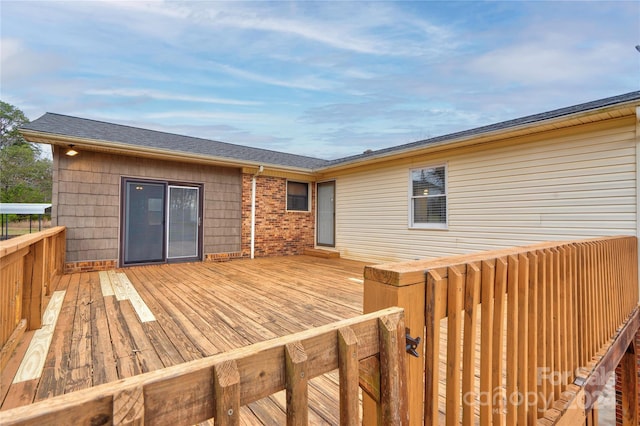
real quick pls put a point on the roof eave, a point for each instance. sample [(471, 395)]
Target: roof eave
[(128, 149)]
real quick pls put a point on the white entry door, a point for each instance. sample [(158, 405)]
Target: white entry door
[(326, 226)]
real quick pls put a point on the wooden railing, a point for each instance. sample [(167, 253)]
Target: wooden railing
[(515, 336), (368, 350), (27, 265)]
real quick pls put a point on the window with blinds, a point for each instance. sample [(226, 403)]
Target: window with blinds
[(428, 197)]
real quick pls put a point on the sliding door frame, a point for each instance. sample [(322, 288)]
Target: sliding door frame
[(165, 249)]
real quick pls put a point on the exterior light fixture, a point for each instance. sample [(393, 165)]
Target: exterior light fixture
[(71, 152)]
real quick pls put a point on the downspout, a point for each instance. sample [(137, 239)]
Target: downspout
[(253, 210)]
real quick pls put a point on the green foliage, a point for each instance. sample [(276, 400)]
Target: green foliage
[(11, 118), (24, 176)]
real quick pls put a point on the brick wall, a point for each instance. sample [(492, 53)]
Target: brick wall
[(278, 232), (618, 387)]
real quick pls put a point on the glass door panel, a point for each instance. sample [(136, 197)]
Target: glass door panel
[(182, 230), (144, 222), (326, 214)]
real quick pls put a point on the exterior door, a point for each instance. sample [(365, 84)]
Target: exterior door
[(160, 222), (326, 216)]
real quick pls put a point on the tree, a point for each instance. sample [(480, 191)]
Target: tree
[(25, 177), (11, 118)]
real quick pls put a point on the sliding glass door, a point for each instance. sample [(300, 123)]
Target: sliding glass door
[(160, 222), (144, 222), (182, 235)]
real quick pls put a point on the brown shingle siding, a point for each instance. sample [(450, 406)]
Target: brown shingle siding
[(88, 202)]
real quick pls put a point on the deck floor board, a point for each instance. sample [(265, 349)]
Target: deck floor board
[(101, 349), (200, 309)]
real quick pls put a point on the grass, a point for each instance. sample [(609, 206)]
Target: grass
[(21, 227)]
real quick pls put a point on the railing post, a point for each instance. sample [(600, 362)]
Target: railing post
[(393, 392), (226, 385), (383, 289), (61, 251), (296, 383), (348, 367), (33, 291), (128, 407)]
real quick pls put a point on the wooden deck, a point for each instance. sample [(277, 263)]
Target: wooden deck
[(200, 309)]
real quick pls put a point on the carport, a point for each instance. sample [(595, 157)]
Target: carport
[(20, 208)]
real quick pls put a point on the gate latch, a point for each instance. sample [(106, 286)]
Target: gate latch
[(412, 343)]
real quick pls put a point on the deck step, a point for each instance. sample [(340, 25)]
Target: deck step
[(326, 254)]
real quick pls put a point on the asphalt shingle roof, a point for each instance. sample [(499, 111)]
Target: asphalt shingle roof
[(65, 125), (97, 130)]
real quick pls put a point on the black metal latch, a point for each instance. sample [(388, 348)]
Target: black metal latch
[(412, 343)]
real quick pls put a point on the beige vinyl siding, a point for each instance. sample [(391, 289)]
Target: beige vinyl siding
[(559, 186)]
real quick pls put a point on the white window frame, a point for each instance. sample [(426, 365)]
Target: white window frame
[(413, 225), (309, 195)]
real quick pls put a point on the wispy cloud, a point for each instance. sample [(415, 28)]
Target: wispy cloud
[(306, 82), (350, 26), (347, 26), (166, 96), (209, 116)]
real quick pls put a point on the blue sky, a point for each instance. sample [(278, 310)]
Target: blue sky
[(326, 79)]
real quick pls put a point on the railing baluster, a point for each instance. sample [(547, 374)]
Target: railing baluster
[(455, 287), (563, 317), (497, 366), (486, 341), (512, 340), (522, 383), (543, 328), (471, 309), (435, 310), (532, 322), (573, 283)]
